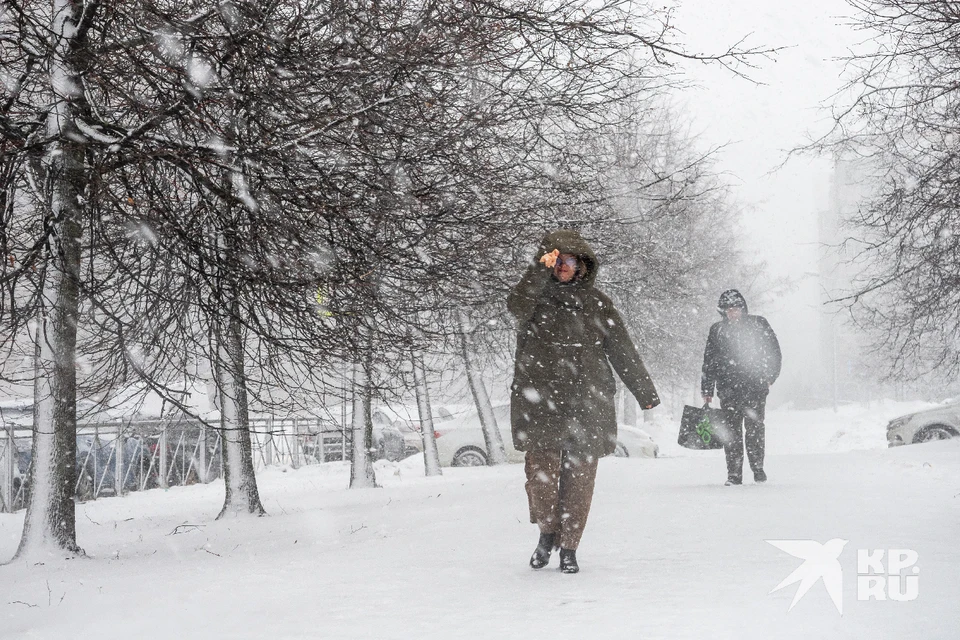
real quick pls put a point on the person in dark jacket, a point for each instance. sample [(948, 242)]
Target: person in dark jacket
[(742, 360), (562, 397)]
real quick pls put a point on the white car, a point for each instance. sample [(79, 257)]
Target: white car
[(460, 441), (938, 423)]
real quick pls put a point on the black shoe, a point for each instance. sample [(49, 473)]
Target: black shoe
[(568, 561), (541, 555), (732, 481), (759, 476)]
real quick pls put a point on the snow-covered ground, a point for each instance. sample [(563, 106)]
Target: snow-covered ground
[(668, 552)]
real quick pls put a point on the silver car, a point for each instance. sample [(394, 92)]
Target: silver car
[(460, 441), (938, 423)]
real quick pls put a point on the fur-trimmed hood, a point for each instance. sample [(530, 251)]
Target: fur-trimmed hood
[(570, 241)]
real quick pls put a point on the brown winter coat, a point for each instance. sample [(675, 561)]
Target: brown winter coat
[(568, 337)]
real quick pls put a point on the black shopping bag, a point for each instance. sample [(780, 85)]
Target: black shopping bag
[(704, 428)]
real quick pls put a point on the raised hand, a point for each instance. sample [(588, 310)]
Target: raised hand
[(550, 259)]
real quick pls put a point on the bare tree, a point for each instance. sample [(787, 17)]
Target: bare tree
[(362, 475), (431, 457), (493, 440), (897, 119), (200, 170), (59, 192), (671, 241)]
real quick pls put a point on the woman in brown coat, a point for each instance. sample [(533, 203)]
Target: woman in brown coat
[(562, 404)]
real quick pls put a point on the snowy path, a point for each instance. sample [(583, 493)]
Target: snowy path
[(668, 553)]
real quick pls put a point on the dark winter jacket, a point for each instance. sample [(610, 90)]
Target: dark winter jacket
[(569, 335), (742, 358)]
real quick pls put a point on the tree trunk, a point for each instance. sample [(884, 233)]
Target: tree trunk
[(431, 457), (50, 523), (242, 495), (496, 453), (362, 475), (9, 460)]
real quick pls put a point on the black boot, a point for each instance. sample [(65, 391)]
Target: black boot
[(568, 561), (541, 555)]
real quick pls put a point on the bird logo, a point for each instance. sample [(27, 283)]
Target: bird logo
[(819, 561)]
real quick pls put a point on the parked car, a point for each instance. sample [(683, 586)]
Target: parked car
[(186, 464), (938, 423), (392, 436), (96, 466), (460, 441), (96, 461), (396, 428), (634, 442), (405, 419)]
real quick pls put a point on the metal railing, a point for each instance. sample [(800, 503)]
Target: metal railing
[(117, 457)]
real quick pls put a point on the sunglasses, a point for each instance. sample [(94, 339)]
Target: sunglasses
[(569, 261)]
